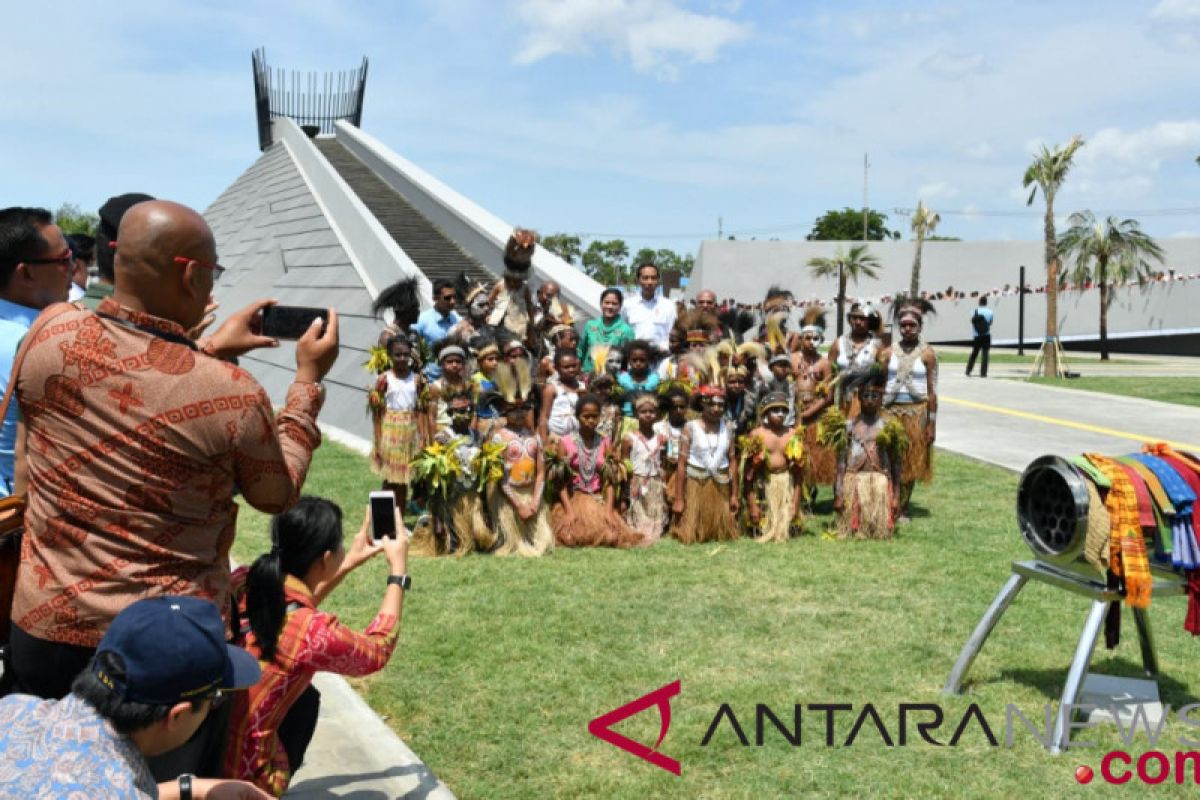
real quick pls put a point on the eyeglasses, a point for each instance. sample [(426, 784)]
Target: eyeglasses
[(216, 700), (217, 269), (67, 259)]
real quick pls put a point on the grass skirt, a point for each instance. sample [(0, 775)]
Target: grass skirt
[(396, 446), (779, 513), (647, 507), (516, 536), (456, 527), (706, 516), (868, 511), (917, 464), (592, 526), (820, 462)]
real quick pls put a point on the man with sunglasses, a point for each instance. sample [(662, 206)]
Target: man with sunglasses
[(434, 324), (35, 270), (159, 672), (136, 441)]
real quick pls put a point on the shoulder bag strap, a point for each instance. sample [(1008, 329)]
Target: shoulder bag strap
[(43, 319)]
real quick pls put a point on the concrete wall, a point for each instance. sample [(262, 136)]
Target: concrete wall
[(744, 270), (473, 228)]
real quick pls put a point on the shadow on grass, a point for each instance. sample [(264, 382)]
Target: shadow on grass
[(1050, 682)]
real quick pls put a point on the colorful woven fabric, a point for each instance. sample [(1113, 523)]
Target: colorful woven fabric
[(1128, 548), (1185, 552)]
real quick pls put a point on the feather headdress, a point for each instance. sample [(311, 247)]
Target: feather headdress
[(402, 299), (814, 321), (916, 306), (564, 313), (600, 358), (467, 289), (518, 253), (697, 326), (514, 382), (484, 344), (777, 299), (776, 338), (450, 346), (735, 322)]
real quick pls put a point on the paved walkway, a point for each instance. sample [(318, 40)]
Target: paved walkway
[(1009, 423)]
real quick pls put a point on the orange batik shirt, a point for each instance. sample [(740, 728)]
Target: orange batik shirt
[(310, 641), (136, 444)]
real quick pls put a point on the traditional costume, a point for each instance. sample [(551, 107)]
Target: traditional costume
[(648, 508), (869, 469), (590, 524), (706, 514), (520, 482), (775, 490), (454, 472), (906, 398), (512, 305), (394, 404)]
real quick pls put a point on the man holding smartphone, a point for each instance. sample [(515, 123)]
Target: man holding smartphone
[(153, 436)]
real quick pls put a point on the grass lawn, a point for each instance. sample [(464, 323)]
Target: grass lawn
[(503, 662), (1008, 357), (1184, 391)]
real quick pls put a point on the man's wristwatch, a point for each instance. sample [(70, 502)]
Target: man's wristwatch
[(185, 786), (403, 581)]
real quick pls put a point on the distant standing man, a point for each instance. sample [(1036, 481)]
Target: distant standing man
[(650, 315), (106, 232), (981, 322), (706, 301), (35, 271)]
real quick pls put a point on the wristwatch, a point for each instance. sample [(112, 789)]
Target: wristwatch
[(185, 786), (403, 581)]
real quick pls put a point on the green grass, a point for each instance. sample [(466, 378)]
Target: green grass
[(503, 662), (1183, 391)]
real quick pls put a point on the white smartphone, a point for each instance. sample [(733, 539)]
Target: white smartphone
[(383, 515)]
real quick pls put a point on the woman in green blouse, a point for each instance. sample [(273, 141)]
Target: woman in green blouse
[(610, 329)]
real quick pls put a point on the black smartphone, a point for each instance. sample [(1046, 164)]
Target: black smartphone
[(383, 515), (290, 322)]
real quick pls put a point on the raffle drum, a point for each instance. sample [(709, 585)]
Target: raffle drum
[(1052, 513)]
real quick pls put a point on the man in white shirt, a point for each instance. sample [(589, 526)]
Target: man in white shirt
[(650, 315)]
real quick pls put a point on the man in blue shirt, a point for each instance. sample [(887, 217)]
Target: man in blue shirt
[(981, 326), (35, 271), (434, 323), (159, 671)]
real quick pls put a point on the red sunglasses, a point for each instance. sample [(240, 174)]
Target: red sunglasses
[(217, 269)]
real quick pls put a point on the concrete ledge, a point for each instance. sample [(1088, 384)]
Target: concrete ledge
[(470, 226), (354, 754)]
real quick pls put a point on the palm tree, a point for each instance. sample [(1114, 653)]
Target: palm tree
[(847, 266), (1047, 172), (924, 221), (1112, 250)]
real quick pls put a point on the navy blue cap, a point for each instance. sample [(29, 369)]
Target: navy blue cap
[(173, 649)]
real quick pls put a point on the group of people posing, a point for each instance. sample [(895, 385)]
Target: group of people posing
[(518, 431)]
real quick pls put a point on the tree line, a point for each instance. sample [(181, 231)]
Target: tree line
[(609, 261)]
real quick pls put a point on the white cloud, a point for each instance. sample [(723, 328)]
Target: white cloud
[(955, 65), (656, 35), (940, 190), (978, 150), (1176, 9), (1144, 148)]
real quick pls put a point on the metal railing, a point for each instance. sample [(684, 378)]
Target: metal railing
[(314, 100)]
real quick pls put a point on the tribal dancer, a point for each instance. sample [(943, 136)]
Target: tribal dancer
[(511, 302), (813, 397), (775, 473), (522, 523), (644, 448), (865, 495), (585, 515), (911, 396), (856, 351), (706, 489)]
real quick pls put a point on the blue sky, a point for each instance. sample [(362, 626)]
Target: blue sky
[(647, 119)]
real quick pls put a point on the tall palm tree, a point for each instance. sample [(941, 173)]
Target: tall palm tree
[(924, 221), (848, 266), (1047, 172), (1109, 251)]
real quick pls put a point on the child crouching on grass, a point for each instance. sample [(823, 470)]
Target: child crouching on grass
[(866, 494), (585, 515)]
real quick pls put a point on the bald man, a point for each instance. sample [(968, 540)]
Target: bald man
[(136, 441)]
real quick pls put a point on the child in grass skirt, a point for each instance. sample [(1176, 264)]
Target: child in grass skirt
[(674, 403), (397, 408), (644, 448), (521, 520), (585, 514), (706, 496), (454, 472), (866, 495), (775, 473)]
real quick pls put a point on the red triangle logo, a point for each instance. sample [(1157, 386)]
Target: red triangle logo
[(601, 726)]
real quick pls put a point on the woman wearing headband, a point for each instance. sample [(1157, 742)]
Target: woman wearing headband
[(911, 395)]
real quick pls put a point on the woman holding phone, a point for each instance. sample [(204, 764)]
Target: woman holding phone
[(275, 604)]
